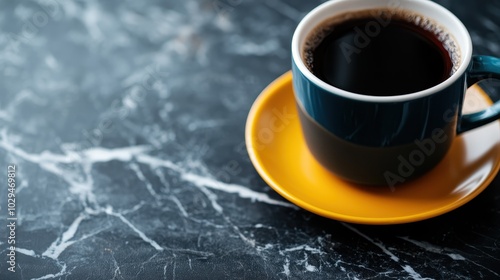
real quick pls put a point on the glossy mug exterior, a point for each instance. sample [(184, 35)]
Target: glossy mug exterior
[(387, 140)]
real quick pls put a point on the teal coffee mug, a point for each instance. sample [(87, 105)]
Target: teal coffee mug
[(376, 109)]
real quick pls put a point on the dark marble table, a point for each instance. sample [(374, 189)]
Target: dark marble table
[(125, 120)]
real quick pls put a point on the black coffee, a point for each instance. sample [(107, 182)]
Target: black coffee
[(381, 53)]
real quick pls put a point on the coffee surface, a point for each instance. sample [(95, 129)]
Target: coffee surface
[(381, 54)]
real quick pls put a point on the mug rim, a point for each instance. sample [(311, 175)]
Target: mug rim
[(305, 24)]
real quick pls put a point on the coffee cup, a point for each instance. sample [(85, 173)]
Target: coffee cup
[(379, 86)]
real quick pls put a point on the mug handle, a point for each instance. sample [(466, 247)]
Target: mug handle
[(482, 68)]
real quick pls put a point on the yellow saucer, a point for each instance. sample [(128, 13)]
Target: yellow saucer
[(280, 155)]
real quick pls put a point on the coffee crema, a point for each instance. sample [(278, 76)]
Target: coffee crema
[(381, 52)]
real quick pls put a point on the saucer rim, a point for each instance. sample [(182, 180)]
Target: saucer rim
[(250, 126)]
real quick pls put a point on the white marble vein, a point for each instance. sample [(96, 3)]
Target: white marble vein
[(414, 275), (286, 267), (83, 186), (141, 234), (305, 263), (98, 154), (26, 252), (285, 9), (376, 243), (242, 192), (192, 126), (208, 182), (304, 247), (50, 161), (179, 205), (54, 276), (141, 177), (64, 241), (256, 49), (407, 268), (435, 249), (117, 272)]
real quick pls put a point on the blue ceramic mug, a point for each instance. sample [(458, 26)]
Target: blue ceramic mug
[(387, 140)]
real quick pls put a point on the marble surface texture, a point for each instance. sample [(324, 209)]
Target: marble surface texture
[(125, 120)]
